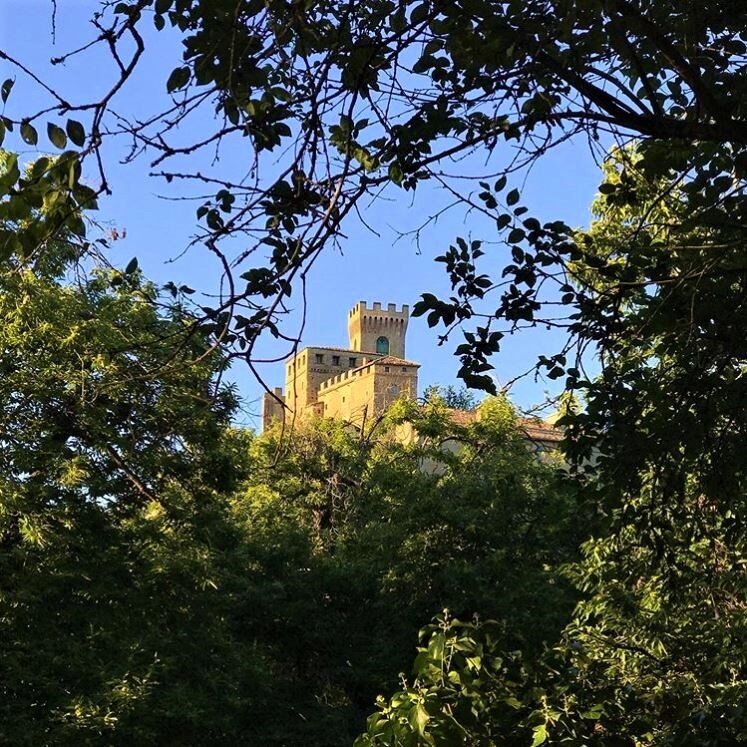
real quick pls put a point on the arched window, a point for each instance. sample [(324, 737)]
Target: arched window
[(382, 346)]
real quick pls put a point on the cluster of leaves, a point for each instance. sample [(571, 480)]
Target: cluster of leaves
[(464, 692), (113, 535), (41, 206)]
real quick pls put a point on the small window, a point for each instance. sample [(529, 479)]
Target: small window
[(386, 369), (336, 360), (353, 361), (319, 358), (382, 345), (404, 368)]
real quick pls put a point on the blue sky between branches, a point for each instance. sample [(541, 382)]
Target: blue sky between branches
[(380, 261)]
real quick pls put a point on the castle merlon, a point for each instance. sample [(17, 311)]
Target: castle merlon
[(391, 308)]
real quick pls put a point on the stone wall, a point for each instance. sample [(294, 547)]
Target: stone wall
[(367, 325), (305, 373), (367, 392), (272, 409), (314, 376)]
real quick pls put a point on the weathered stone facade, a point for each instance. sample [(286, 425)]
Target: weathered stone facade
[(354, 383)]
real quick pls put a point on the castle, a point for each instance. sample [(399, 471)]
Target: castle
[(360, 382), (354, 383)]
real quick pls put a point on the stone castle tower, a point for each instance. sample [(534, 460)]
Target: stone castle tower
[(353, 383), (377, 330)]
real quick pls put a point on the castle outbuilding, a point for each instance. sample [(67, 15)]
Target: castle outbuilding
[(354, 383)]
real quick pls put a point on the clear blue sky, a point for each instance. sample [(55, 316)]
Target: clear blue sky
[(160, 222)]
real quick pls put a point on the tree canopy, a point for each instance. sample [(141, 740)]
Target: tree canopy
[(654, 653), (169, 579), (102, 427)]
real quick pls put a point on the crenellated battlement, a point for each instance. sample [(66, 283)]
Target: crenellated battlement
[(343, 377), (378, 330), (391, 309)]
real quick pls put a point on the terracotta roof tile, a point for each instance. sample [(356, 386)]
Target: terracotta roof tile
[(393, 360), (533, 428)]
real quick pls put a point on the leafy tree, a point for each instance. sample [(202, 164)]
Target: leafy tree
[(168, 580), (456, 399), (388, 92), (655, 651), (115, 544), (355, 537)]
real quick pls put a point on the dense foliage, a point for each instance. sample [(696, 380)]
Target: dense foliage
[(379, 94), (167, 579), (113, 538), (356, 539), (655, 652)]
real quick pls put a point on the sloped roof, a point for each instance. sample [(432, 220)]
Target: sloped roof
[(388, 360), (462, 417), (533, 428), (539, 430)]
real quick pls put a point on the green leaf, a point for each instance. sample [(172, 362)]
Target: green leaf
[(6, 89), (56, 135), (395, 173), (162, 6), (39, 167), (76, 133), (419, 14), (540, 735), (178, 79), (502, 221), (2, 133), (595, 711), (29, 134), (436, 646), (418, 718), (132, 266), (512, 197)]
